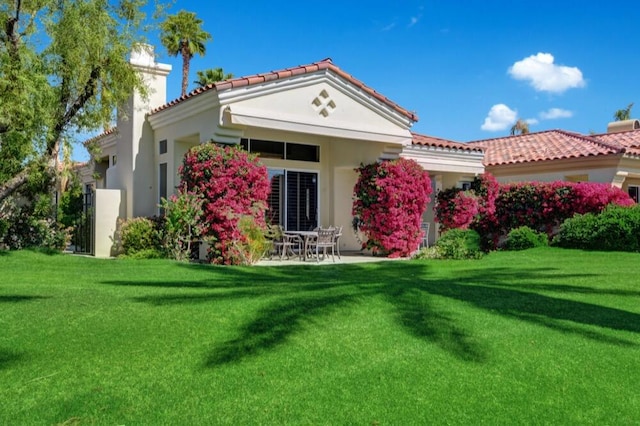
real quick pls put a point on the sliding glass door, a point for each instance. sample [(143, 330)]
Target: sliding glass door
[(293, 202)]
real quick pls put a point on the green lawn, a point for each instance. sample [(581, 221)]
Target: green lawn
[(545, 336)]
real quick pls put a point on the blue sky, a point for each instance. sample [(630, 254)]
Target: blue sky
[(469, 69)]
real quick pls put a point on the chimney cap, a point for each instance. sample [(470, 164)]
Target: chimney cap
[(623, 126)]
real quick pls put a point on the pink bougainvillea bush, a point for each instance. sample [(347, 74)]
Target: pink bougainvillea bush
[(389, 200), (234, 184), (541, 206)]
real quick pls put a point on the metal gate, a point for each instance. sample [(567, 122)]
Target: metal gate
[(83, 235)]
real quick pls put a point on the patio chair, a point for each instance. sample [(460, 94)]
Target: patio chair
[(337, 235), (325, 240), (284, 243), (424, 227)]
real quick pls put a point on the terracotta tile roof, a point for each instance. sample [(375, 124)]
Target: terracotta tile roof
[(325, 64), (630, 140), (545, 146), (100, 136), (425, 140)]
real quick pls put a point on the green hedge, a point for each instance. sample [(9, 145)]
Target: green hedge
[(523, 238), (615, 229)]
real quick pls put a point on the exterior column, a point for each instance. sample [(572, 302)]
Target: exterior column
[(437, 187), (619, 178)]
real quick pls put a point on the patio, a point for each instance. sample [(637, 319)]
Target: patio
[(345, 258)]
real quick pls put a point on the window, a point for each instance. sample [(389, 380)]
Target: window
[(162, 146), (293, 201), (464, 185), (162, 185), (114, 160), (267, 149), (296, 151), (282, 150), (634, 192)]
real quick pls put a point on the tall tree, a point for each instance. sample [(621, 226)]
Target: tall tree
[(211, 75), (623, 114), (520, 128), (59, 75), (182, 34)]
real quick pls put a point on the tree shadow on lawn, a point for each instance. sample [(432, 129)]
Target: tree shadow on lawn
[(7, 358), (221, 277), (303, 294), (15, 298)]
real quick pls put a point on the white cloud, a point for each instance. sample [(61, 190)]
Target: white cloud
[(544, 75), (389, 27), (532, 121), (416, 18), (554, 113), (500, 117)]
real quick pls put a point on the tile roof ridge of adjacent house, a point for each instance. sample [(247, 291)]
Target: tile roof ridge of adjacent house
[(326, 63), (589, 138), (479, 141), (426, 140), (543, 146)]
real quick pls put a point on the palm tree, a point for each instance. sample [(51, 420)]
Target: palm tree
[(623, 114), (210, 76), (521, 127), (183, 35)]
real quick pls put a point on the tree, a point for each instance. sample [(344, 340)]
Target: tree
[(59, 75), (521, 127), (210, 76), (623, 114), (183, 35)]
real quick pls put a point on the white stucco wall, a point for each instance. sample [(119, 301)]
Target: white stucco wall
[(109, 205)]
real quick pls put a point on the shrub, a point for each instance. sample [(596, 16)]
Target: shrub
[(181, 224), (523, 238), (542, 206), (427, 253), (138, 234), (459, 244), (233, 184), (256, 243), (456, 208), (615, 229), (389, 200), (30, 225)]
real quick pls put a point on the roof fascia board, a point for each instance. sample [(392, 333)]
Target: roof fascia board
[(183, 110), (437, 159), (237, 116)]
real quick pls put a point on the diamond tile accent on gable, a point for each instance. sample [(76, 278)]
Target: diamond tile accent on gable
[(323, 104)]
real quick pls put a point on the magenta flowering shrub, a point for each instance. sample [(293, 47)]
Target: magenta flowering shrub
[(233, 184), (541, 206), (456, 209), (389, 200)]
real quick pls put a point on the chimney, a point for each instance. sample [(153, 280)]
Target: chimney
[(623, 126)]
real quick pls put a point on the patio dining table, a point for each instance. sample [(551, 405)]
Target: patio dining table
[(306, 237)]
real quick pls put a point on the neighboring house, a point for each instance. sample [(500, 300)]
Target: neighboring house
[(311, 125), (612, 157)]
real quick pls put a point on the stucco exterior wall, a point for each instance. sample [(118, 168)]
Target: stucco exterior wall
[(109, 205), (605, 175)]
